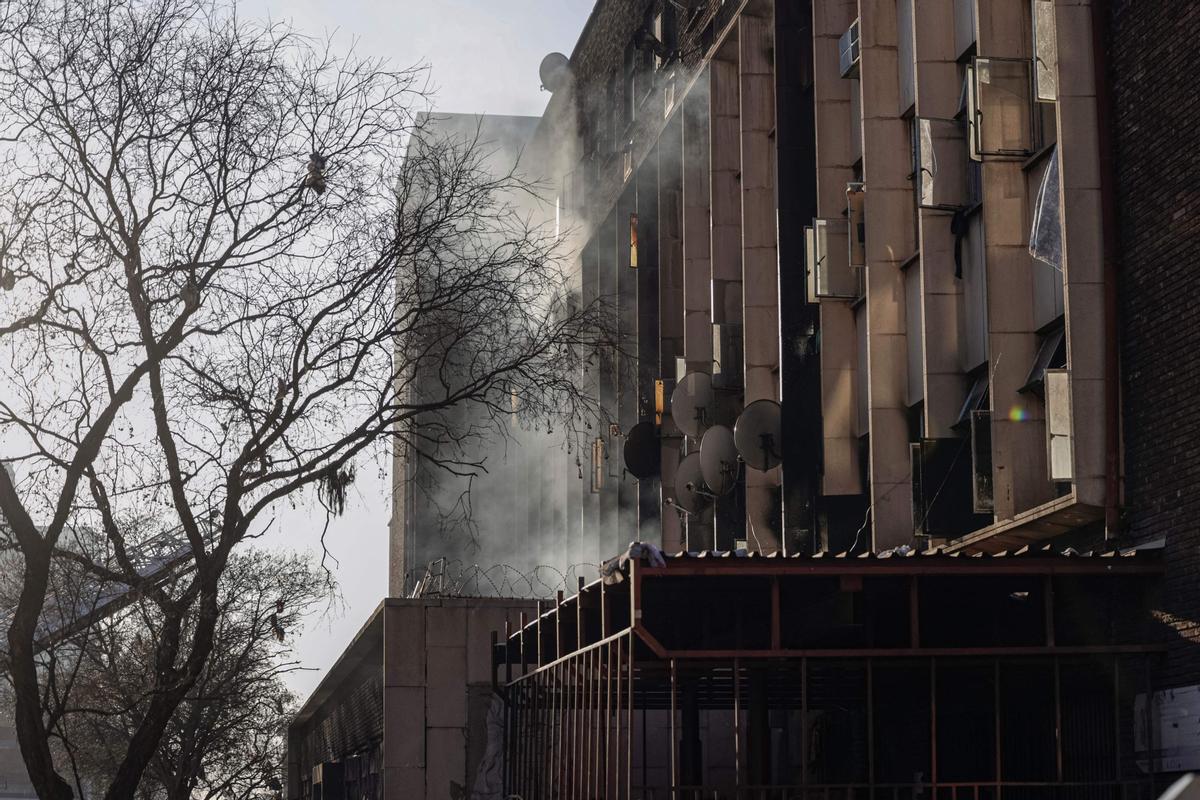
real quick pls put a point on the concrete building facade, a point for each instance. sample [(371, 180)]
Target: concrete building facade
[(951, 241), (408, 711), (850, 209)]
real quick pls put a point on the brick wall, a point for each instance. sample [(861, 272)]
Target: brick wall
[(1156, 126)]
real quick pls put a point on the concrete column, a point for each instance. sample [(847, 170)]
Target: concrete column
[(760, 261), (399, 553), (587, 551), (697, 258), (725, 160), (670, 305), (608, 531), (697, 248), (891, 240), (1083, 242), (835, 168), (937, 94), (404, 701), (626, 374), (1019, 475)]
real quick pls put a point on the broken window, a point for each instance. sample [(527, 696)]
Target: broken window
[(940, 163), (833, 276), (1045, 236), (977, 398), (1051, 354), (981, 462), (1003, 111), (856, 219)]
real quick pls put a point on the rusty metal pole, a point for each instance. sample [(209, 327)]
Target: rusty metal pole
[(1058, 743), (737, 722), (608, 717), (574, 761), (524, 648), (629, 683), (507, 651), (933, 724), (580, 725), (804, 725), (537, 632), (1116, 675), (871, 727), (507, 739), (558, 642), (597, 747), (674, 735), (620, 784), (522, 739), (996, 700), (586, 745)]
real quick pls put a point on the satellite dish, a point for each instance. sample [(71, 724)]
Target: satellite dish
[(555, 71), (692, 403), (690, 490), (642, 450), (719, 459), (758, 434)]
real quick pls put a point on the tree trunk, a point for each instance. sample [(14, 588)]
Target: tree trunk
[(31, 728)]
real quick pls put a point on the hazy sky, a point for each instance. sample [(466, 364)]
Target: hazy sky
[(484, 56)]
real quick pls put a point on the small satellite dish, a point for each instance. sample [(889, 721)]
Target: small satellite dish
[(692, 403), (555, 71), (719, 459), (690, 490), (643, 452), (758, 434)]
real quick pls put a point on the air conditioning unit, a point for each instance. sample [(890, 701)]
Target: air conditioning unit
[(849, 51), (727, 355)]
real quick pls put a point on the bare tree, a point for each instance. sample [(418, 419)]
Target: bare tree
[(200, 317), (227, 739)]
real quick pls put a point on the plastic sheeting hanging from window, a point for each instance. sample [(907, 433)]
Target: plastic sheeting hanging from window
[(1045, 237)]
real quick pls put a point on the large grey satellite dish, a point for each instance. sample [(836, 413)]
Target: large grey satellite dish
[(719, 459), (690, 490), (643, 452), (555, 71), (758, 434), (692, 403)]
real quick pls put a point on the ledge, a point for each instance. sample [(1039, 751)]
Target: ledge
[(1055, 518)]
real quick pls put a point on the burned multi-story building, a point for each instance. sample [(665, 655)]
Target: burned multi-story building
[(894, 230), (897, 409), (897, 220)]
